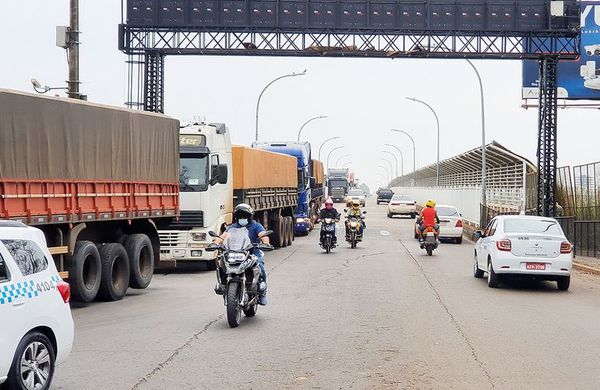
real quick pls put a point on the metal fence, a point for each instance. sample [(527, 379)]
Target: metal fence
[(587, 195), (587, 238)]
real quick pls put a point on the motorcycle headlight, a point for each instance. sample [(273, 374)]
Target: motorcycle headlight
[(235, 257), (353, 224)]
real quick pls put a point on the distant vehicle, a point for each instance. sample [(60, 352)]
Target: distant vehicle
[(523, 245), (451, 224), (384, 195), (358, 195), (402, 205), (37, 326), (337, 184)]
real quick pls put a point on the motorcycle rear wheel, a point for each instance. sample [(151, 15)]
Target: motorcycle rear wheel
[(234, 312), (429, 250)]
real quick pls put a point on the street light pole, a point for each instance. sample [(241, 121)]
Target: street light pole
[(401, 158), (387, 174), (437, 120), (323, 143), (331, 151), (391, 166), (73, 49), (414, 154), (341, 158), (483, 154), (308, 121), (395, 158), (263, 91)]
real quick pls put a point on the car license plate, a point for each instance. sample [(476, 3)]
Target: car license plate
[(535, 266)]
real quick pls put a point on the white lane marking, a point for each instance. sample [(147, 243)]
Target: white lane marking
[(384, 232)]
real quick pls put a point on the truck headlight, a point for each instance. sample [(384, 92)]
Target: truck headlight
[(198, 236), (301, 220)]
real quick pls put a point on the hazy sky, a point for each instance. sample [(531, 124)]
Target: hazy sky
[(362, 97)]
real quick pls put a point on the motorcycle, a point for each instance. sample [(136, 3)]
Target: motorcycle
[(429, 243), (238, 274), (354, 227), (327, 234)]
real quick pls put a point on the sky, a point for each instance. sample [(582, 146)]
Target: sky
[(363, 98)]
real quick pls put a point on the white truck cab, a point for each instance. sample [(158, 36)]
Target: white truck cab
[(205, 198)]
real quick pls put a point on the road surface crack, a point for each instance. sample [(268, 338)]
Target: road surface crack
[(282, 261), (177, 351), (461, 332)]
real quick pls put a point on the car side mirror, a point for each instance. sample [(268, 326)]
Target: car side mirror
[(218, 174), (364, 212), (213, 234), (477, 235)]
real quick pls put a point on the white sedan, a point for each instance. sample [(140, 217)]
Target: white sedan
[(523, 245), (37, 326), (356, 196), (451, 224), (402, 205)]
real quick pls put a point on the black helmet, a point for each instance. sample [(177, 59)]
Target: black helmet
[(242, 211)]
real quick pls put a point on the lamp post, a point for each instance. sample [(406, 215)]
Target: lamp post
[(387, 174), (401, 158), (437, 121), (323, 144), (395, 158), (331, 151), (41, 89), (263, 91), (341, 158), (391, 165), (308, 121), (414, 154), (483, 156)]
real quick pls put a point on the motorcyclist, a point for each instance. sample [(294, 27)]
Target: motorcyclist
[(330, 212), (355, 211), (242, 217), (428, 218)]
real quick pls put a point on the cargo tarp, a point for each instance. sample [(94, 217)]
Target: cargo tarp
[(44, 138), (318, 172), (255, 168)]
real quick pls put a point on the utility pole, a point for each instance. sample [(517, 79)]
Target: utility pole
[(73, 50)]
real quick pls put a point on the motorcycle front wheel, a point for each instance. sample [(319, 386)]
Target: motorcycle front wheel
[(234, 311)]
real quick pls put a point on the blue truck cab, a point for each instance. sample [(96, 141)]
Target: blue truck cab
[(302, 152)]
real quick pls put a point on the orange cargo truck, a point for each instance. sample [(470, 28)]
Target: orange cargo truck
[(268, 182), (97, 180)]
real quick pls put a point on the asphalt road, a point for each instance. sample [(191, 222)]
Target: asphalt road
[(382, 316)]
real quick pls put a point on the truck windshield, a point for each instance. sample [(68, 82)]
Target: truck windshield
[(193, 173)]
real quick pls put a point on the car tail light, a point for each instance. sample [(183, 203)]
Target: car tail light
[(394, 203), (65, 291), (504, 245), (565, 247), (459, 223)]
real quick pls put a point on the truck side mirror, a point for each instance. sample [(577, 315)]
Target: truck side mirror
[(218, 174)]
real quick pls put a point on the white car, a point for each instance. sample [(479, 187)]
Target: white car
[(37, 326), (523, 245), (402, 205), (451, 224), (356, 195)]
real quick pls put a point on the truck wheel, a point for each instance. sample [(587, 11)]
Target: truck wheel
[(85, 272), (285, 232), (115, 272), (141, 260), (290, 223), (276, 236)]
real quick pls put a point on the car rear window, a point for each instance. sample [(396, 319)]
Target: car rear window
[(3, 270), (27, 254), (444, 211), (385, 192), (402, 197), (355, 193), (536, 226)]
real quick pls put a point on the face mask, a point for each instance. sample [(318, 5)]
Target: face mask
[(243, 222)]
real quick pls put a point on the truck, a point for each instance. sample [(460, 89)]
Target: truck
[(98, 181), (310, 172), (337, 184), (214, 177)]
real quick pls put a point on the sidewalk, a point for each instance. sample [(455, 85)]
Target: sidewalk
[(587, 264)]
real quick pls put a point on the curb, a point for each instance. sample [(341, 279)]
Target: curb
[(586, 268)]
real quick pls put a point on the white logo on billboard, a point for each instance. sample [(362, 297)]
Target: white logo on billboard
[(586, 12)]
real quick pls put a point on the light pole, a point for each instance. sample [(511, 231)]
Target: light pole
[(414, 154), (391, 165), (331, 151), (265, 88), (341, 158), (384, 179), (401, 158), (437, 121), (323, 143), (308, 121), (387, 174), (395, 158), (41, 89), (483, 156)]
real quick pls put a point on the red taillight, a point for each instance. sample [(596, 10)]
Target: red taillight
[(459, 223), (565, 247), (65, 291), (504, 245)]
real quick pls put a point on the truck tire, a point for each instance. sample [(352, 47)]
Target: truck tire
[(141, 260), (115, 272), (290, 223), (277, 230), (284, 232), (85, 272)]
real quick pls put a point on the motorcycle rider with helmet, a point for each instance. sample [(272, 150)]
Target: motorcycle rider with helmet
[(242, 218), (330, 212), (429, 218), (355, 211)]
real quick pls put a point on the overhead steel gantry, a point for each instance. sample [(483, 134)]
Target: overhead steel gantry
[(543, 30)]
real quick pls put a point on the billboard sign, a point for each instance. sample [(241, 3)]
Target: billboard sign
[(578, 79)]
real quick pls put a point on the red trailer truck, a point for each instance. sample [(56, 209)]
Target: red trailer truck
[(97, 180)]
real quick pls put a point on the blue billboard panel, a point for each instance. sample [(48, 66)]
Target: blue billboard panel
[(579, 79)]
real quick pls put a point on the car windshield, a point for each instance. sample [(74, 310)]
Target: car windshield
[(355, 193), (535, 226), (445, 211), (402, 197), (237, 239)]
